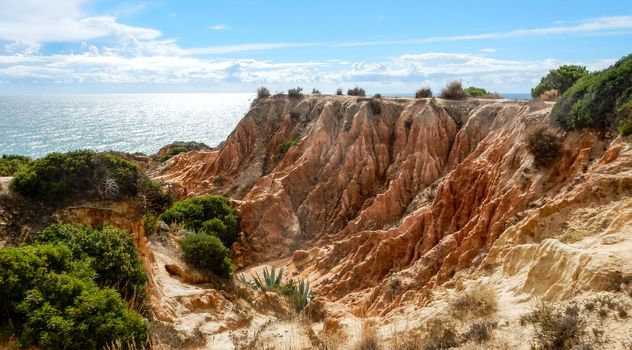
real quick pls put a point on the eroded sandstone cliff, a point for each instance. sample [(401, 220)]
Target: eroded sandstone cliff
[(378, 205)]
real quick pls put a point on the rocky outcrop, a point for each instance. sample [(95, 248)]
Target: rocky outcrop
[(406, 194)]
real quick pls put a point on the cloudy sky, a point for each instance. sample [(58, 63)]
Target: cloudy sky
[(235, 46)]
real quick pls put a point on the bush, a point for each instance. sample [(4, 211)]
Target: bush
[(442, 333), (262, 93), (556, 329), (356, 91), (377, 96), (315, 92), (339, 91), (194, 212), (218, 228), (10, 164), (50, 300), (86, 175), (479, 300), (453, 91), (207, 252), (625, 127), (548, 95), (172, 152), (560, 79), (295, 92), (288, 144), (474, 91), (110, 252), (544, 146), (598, 99), (424, 92), (375, 105)]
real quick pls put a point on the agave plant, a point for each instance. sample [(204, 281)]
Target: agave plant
[(271, 279)]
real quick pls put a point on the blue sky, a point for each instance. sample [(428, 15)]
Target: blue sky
[(236, 46)]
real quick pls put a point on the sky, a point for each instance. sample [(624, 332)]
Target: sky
[(70, 46)]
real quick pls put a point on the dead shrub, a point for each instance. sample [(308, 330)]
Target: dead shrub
[(441, 333), (368, 339), (548, 95), (544, 146), (480, 331), (453, 91), (478, 300), (424, 92), (555, 329)]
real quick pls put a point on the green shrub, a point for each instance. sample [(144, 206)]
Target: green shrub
[(560, 79), (474, 91), (207, 252), (453, 91), (544, 146), (151, 224), (356, 91), (598, 99), (172, 152), (289, 143), (217, 227), (315, 92), (86, 175), (295, 92), (193, 212), (625, 127), (10, 164), (110, 251), (49, 300), (339, 91), (424, 92)]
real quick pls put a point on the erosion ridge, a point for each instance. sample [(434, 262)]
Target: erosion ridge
[(414, 193)]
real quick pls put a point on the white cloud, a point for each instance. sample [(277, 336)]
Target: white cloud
[(597, 25), (219, 27), (488, 50), (245, 48), (39, 21)]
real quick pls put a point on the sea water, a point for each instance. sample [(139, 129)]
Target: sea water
[(35, 125)]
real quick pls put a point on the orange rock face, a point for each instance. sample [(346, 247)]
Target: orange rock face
[(404, 197)]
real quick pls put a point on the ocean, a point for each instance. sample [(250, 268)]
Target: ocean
[(35, 125)]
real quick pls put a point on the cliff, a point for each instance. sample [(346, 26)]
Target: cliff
[(380, 201)]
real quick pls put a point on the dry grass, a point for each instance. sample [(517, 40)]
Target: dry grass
[(572, 236), (478, 300), (548, 95), (368, 339), (441, 333)]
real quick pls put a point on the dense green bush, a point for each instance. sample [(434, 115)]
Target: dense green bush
[(207, 252), (50, 299), (424, 92), (172, 152), (194, 212), (453, 91), (10, 164), (86, 175), (288, 144), (544, 146), (339, 91), (598, 100), (474, 91), (217, 227), (295, 92), (560, 79), (110, 251), (356, 91)]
